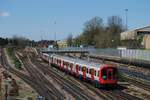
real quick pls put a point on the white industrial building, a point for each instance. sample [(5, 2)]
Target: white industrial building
[(136, 38)]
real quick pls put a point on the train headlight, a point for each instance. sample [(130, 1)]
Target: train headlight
[(104, 77)]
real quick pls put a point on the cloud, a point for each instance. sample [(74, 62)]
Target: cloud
[(4, 14)]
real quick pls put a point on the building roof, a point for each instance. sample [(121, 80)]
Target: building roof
[(144, 29), (131, 34)]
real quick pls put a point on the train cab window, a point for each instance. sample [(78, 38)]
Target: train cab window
[(109, 75), (104, 74)]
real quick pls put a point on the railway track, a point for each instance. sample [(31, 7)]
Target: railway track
[(113, 94), (40, 88), (42, 81), (107, 95), (71, 87), (137, 83)]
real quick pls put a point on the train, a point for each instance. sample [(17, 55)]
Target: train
[(101, 75)]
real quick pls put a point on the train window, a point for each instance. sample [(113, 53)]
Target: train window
[(98, 74), (95, 72), (71, 65), (87, 70), (83, 69), (90, 71), (104, 74), (65, 63), (109, 74), (79, 68)]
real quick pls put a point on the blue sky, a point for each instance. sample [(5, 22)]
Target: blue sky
[(36, 19)]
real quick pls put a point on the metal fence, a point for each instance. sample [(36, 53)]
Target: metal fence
[(67, 49), (127, 53)]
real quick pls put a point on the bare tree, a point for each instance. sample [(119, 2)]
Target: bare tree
[(95, 33), (92, 29), (115, 27), (70, 40)]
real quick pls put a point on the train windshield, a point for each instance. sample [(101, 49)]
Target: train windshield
[(109, 73), (104, 74)]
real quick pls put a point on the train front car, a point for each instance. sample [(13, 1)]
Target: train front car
[(108, 76)]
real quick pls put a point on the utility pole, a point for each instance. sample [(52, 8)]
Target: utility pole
[(55, 31), (55, 36), (126, 12)]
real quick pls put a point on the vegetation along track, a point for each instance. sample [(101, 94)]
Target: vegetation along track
[(105, 94), (38, 87)]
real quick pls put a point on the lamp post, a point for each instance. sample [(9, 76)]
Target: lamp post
[(55, 31), (126, 12)]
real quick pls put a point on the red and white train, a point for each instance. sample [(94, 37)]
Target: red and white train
[(99, 74)]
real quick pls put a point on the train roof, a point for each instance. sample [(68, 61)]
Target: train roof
[(79, 61), (46, 54)]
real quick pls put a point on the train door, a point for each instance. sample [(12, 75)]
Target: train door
[(59, 63), (92, 74), (67, 64), (63, 65), (77, 70), (69, 67), (110, 74), (84, 72), (50, 59), (55, 61)]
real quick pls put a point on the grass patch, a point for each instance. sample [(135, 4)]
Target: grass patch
[(14, 59)]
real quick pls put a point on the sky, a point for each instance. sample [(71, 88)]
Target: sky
[(42, 19)]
